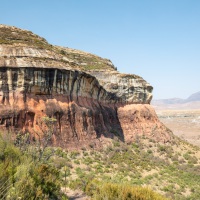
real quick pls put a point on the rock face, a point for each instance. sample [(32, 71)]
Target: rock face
[(84, 92)]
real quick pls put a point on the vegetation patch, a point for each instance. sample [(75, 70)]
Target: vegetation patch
[(12, 35), (143, 169), (110, 191)]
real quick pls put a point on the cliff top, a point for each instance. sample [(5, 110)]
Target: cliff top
[(13, 35), (22, 47)]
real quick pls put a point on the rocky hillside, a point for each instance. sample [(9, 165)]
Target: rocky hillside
[(88, 97)]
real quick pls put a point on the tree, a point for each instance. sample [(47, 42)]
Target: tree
[(47, 126)]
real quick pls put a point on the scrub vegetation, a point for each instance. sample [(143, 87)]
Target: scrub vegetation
[(143, 170)]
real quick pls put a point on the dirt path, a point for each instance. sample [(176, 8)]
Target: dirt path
[(75, 194)]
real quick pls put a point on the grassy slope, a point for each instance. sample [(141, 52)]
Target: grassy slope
[(171, 169), (22, 168)]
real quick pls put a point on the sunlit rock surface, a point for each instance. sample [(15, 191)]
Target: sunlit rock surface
[(85, 93)]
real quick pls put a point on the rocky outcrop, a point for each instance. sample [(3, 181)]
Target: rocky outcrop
[(84, 92), (130, 88), (140, 120)]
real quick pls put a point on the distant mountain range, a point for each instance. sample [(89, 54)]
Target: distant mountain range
[(192, 102)]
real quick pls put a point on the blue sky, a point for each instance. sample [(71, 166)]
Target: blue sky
[(156, 39)]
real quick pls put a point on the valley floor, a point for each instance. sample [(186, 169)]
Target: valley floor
[(184, 123)]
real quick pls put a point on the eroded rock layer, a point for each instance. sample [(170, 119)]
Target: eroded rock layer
[(84, 92)]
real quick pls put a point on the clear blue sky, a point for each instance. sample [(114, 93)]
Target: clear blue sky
[(156, 39)]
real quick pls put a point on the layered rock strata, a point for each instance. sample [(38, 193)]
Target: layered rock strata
[(84, 92)]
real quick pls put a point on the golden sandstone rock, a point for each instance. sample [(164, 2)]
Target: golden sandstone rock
[(89, 98)]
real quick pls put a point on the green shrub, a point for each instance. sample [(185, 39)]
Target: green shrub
[(22, 177), (162, 148)]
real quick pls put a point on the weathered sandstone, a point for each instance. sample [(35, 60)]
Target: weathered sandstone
[(84, 92)]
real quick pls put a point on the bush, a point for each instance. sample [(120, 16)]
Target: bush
[(110, 191), (22, 177)]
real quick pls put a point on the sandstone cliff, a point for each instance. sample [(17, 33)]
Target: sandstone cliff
[(85, 93)]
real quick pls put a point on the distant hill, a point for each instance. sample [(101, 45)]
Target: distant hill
[(192, 102), (167, 101), (193, 97)]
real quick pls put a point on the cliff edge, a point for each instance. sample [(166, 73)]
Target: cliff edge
[(89, 98)]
